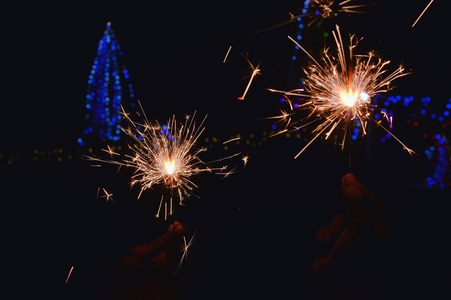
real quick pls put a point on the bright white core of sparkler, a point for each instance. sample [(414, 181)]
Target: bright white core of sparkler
[(169, 165), (348, 97)]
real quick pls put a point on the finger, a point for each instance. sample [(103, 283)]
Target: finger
[(320, 265), (337, 225), (344, 242), (355, 196), (180, 230), (323, 235), (160, 244), (323, 242)]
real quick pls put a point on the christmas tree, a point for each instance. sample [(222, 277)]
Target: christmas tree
[(108, 89)]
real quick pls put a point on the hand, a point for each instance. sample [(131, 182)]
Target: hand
[(145, 273), (351, 250)]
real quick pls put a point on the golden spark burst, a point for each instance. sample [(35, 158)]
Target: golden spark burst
[(338, 92)]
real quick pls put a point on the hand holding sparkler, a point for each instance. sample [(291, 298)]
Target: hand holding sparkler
[(354, 261), (146, 270)]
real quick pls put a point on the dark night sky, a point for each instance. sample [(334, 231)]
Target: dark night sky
[(174, 52)]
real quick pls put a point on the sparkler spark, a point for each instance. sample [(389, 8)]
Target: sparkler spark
[(231, 140), (338, 92), (245, 159), (422, 13), (163, 155), (70, 273), (107, 195), (185, 250), (227, 54), (255, 71)]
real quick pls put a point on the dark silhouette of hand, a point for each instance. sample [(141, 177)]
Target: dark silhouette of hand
[(351, 251), (147, 271)]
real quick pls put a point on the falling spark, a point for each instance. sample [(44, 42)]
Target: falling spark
[(422, 13), (227, 174), (164, 155), (110, 151), (159, 207), (338, 93), (70, 272), (107, 196), (227, 54), (245, 160), (231, 140), (254, 72), (185, 248)]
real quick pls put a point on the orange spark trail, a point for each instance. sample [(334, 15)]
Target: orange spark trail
[(70, 272), (422, 13), (227, 54), (254, 72)]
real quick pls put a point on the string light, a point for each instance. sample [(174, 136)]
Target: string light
[(108, 88)]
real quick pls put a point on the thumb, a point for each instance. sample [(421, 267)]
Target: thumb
[(356, 197)]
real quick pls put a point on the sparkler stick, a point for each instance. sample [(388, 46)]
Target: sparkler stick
[(422, 13), (338, 92)]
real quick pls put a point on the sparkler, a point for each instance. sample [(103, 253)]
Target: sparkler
[(330, 8), (321, 9), (338, 93), (164, 155)]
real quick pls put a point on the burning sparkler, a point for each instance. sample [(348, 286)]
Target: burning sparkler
[(330, 8), (164, 155), (338, 93), (320, 10)]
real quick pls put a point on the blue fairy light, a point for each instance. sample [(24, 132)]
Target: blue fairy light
[(105, 94)]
